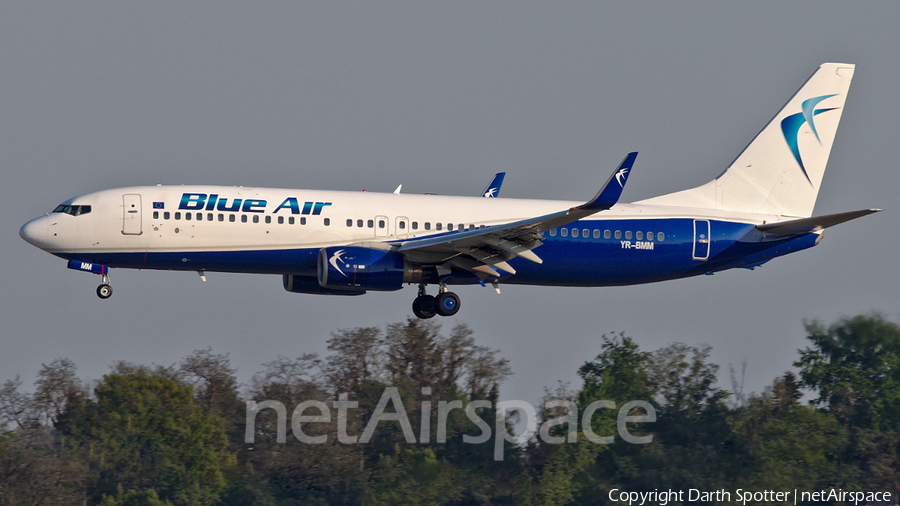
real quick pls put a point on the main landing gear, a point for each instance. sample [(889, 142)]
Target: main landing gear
[(426, 306), (104, 291)]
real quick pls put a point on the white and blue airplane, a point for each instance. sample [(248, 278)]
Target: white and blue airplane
[(348, 243)]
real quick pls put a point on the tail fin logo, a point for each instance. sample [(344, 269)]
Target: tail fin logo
[(790, 127), (621, 176), (490, 193)]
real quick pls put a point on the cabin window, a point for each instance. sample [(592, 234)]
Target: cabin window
[(596, 233), (349, 222), (564, 232), (402, 225), (327, 221), (155, 215), (462, 226), (450, 227), (199, 216), (281, 220), (585, 233), (607, 234), (639, 235), (231, 218), (660, 236), (255, 218), (268, 219), (209, 217), (302, 220), (574, 232), (618, 234), (552, 232), (243, 218), (438, 226), (221, 217), (177, 216), (649, 236), (628, 234), (166, 215), (380, 223), (187, 216), (427, 225), (415, 225), (359, 223), (370, 223), (291, 220)]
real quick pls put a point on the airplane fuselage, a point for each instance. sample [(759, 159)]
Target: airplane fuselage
[(276, 231)]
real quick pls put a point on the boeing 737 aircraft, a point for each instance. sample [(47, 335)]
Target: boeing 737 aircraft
[(348, 243)]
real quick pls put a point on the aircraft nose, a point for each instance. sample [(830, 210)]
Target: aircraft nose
[(35, 232)]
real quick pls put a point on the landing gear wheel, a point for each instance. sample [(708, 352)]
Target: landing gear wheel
[(424, 307), (104, 291), (447, 304)]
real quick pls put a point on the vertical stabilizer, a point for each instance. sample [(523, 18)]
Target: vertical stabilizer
[(780, 171)]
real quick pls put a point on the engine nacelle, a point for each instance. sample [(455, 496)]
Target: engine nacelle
[(358, 268), (310, 284)]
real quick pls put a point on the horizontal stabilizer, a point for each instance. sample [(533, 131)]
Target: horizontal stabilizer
[(815, 224)]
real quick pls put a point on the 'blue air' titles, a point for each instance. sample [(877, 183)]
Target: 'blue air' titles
[(202, 201)]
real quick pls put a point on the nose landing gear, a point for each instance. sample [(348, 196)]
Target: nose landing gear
[(104, 291), (426, 306)]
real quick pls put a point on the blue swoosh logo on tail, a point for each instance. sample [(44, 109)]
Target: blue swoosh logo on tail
[(790, 127)]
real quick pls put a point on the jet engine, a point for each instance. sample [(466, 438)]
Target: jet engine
[(356, 268), (310, 284)]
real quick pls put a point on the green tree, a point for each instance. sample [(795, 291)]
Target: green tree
[(565, 473), (854, 367), (145, 432), (36, 470), (147, 497), (788, 445)]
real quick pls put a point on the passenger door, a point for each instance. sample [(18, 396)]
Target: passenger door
[(701, 239), (131, 214)]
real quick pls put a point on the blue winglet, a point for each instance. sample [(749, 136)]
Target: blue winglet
[(612, 190), (493, 188)]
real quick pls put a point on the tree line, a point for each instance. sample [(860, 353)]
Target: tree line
[(156, 435)]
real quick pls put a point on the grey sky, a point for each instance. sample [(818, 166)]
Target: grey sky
[(437, 96)]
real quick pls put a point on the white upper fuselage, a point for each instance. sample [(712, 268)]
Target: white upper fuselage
[(384, 217)]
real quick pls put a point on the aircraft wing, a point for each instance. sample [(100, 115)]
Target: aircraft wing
[(484, 250), (492, 190), (814, 224)]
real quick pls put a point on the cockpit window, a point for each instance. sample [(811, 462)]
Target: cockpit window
[(73, 210)]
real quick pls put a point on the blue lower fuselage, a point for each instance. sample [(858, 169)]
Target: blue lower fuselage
[(604, 253)]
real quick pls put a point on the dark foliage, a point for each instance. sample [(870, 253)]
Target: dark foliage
[(176, 435)]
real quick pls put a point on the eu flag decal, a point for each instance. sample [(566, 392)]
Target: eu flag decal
[(159, 205)]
